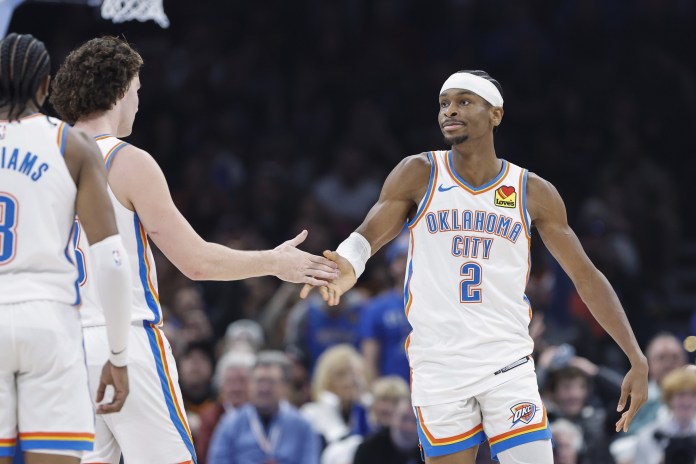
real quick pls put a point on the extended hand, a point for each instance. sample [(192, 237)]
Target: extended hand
[(118, 378), (331, 293), (635, 385), (300, 267)]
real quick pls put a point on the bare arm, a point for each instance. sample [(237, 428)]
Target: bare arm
[(96, 214), (139, 184), (401, 193), (93, 205), (548, 214), (403, 189)]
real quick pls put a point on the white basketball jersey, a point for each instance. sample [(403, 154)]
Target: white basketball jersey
[(146, 307), (464, 291), (37, 207)]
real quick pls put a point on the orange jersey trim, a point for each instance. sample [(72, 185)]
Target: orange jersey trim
[(150, 285), (521, 431), (63, 436), (160, 346), (447, 440), (429, 193), (455, 177)]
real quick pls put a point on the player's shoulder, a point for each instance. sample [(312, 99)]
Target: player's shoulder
[(414, 167), (419, 161), (135, 158), (537, 186)]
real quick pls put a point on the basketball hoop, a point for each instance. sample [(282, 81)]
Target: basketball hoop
[(119, 11)]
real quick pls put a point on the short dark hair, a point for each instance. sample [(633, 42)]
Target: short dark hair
[(24, 63), (270, 358), (94, 77), (485, 75), (556, 376)]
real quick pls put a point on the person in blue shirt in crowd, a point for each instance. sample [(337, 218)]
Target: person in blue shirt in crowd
[(313, 327), (384, 327), (268, 430)]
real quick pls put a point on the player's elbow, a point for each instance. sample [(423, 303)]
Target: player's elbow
[(194, 271)]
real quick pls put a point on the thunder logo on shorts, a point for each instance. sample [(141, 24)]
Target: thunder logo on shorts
[(522, 412)]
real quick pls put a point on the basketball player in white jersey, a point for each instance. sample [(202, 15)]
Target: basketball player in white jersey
[(97, 88), (470, 215), (47, 172)]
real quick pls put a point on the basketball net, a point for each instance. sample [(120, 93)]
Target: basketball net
[(119, 11)]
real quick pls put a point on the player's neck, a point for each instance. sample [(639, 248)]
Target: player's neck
[(476, 165), (28, 111), (97, 125)]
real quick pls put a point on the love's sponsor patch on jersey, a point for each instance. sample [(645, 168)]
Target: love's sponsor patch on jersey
[(505, 197), (523, 412)]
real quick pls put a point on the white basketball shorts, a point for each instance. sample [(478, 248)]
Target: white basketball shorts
[(506, 415), (152, 427), (43, 379)]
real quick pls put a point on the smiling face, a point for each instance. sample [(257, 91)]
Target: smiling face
[(464, 115)]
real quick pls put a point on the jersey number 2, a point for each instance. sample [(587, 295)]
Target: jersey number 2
[(469, 287), (9, 210)]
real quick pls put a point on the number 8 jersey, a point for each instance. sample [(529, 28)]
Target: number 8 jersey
[(468, 267), (37, 208)]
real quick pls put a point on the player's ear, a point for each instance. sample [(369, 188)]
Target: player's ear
[(42, 91), (496, 115)]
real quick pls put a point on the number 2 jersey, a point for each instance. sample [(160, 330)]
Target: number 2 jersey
[(468, 267), (37, 208), (146, 307)]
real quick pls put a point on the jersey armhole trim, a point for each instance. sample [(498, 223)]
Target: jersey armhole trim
[(109, 157), (425, 202), (62, 132), (523, 203)]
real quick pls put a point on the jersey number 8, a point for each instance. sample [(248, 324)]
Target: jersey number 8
[(9, 211)]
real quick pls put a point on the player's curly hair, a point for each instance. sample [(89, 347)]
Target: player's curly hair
[(24, 63), (94, 77)]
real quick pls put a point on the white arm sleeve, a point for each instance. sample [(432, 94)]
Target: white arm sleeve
[(113, 281)]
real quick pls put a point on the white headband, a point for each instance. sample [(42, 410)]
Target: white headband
[(480, 86)]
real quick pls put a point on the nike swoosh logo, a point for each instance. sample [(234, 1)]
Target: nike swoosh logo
[(444, 189)]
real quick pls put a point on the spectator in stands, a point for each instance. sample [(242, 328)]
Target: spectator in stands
[(383, 324), (566, 396), (268, 429), (674, 434), (387, 392), (606, 381), (195, 374), (313, 326), (244, 334), (337, 388), (665, 353), (396, 444), (231, 381), (567, 440)]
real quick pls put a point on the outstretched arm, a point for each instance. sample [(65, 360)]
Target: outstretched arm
[(139, 184), (548, 214), (402, 191)]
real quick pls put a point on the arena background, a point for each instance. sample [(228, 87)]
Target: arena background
[(269, 117)]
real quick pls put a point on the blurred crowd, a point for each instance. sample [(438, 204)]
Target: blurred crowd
[(273, 117)]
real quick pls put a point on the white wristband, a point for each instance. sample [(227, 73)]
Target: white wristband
[(356, 249), (112, 272)]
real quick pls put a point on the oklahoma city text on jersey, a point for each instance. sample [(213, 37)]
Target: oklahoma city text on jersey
[(487, 222)]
